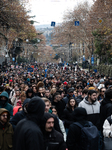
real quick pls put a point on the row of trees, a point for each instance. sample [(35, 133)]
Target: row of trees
[(16, 26), (92, 36)]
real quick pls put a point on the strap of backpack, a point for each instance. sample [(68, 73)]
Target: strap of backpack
[(109, 120), (81, 126), (78, 124)]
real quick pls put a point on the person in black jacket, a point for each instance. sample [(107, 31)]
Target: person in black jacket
[(74, 133), (106, 107), (59, 103), (27, 135), (67, 116), (29, 93), (53, 140), (21, 114), (69, 94)]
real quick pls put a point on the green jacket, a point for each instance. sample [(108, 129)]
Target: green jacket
[(6, 134), (7, 106)]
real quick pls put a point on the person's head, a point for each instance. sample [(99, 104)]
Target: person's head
[(4, 98), (79, 114), (22, 85), (79, 88), (84, 93), (26, 87), (7, 86), (25, 104), (47, 81), (34, 89), (75, 93), (108, 94), (47, 93), (17, 92), (71, 103), (54, 110), (69, 84), (35, 109), (53, 90), (70, 92), (57, 97), (23, 96), (102, 91), (29, 93), (92, 96), (101, 81), (40, 90), (47, 104), (16, 87), (4, 116), (91, 82), (96, 81), (48, 122)]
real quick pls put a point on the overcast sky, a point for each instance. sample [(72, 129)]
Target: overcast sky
[(52, 10)]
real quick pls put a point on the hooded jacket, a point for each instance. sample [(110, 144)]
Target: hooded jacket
[(5, 104), (6, 133), (19, 115), (27, 135), (93, 111), (52, 140), (29, 91), (74, 133), (105, 110)]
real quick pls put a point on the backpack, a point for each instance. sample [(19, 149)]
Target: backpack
[(109, 120), (89, 136)]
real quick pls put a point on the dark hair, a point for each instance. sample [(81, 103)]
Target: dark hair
[(108, 94), (102, 88), (90, 92), (68, 104), (85, 91), (53, 107), (57, 93)]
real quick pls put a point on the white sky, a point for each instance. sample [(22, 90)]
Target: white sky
[(52, 10)]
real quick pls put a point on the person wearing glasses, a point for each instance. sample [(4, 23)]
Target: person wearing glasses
[(6, 130), (101, 94)]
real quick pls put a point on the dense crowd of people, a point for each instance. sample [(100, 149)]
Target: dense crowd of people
[(40, 109)]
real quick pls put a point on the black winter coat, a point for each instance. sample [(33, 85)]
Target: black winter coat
[(60, 107), (17, 117), (73, 136), (54, 141), (105, 110), (27, 135), (67, 117)]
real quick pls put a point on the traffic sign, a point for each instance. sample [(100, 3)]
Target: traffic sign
[(83, 58), (77, 23), (53, 23), (100, 21), (92, 60)]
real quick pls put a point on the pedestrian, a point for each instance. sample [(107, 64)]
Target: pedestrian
[(4, 102), (27, 135), (6, 130), (53, 140), (92, 106), (76, 140), (67, 116), (20, 114)]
